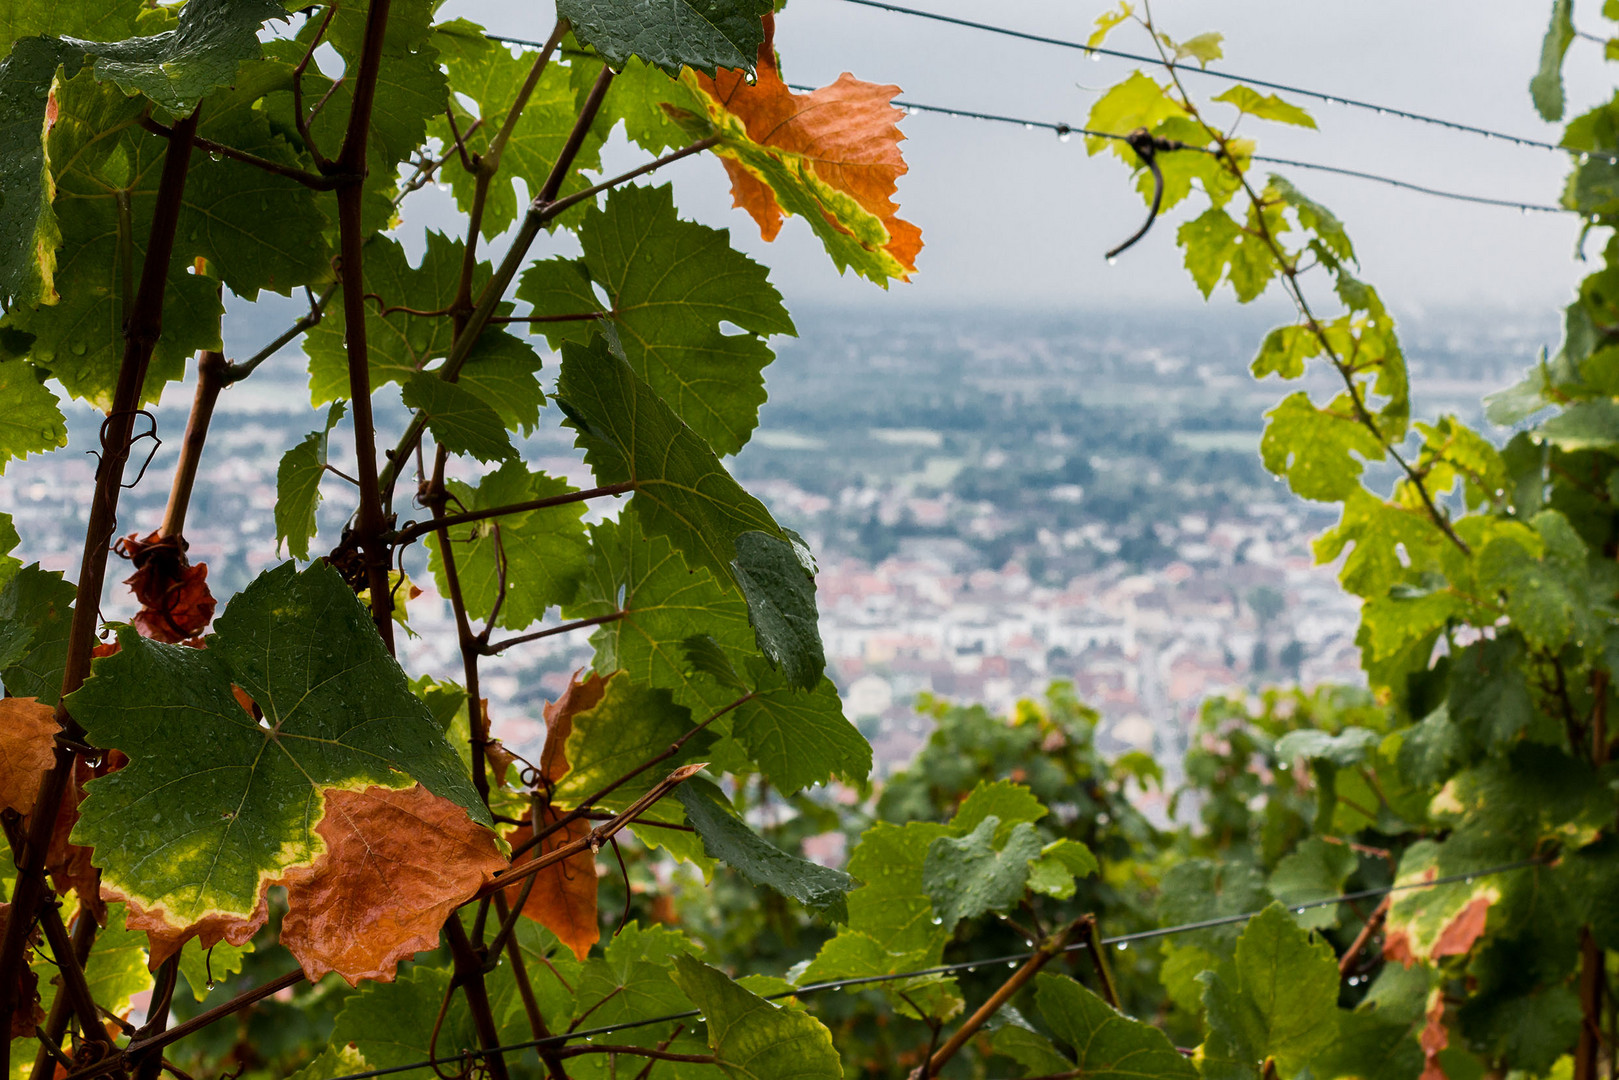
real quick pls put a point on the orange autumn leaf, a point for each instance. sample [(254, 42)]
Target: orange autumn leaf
[(833, 153), (164, 939), (1434, 1038), (27, 750), (397, 863), (582, 695), (563, 899), (173, 591)]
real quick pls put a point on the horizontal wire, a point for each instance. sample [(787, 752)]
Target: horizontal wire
[(1063, 130), (1220, 73), (946, 969)]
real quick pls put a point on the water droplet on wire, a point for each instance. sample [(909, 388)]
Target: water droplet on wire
[(1123, 945)]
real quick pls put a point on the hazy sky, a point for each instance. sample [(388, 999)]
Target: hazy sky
[(1015, 217)]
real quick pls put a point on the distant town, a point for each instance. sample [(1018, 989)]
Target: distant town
[(995, 502)]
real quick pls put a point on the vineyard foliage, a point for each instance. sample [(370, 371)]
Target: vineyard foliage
[(256, 845)]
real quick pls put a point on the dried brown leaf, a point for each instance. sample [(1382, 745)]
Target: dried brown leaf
[(397, 863)]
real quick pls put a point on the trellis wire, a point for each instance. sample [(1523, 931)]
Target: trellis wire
[(1064, 130), (942, 969), (1096, 51)]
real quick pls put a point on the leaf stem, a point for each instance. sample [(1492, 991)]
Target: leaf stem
[(561, 205), (419, 529), (565, 628), (596, 838), (236, 372)]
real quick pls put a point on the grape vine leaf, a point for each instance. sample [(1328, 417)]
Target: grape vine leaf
[(653, 602), (1315, 870), (98, 155), (780, 591), (671, 285), (242, 798), (797, 738), (1195, 890), (1265, 106), (9, 564), (396, 863), (1546, 88), (391, 1024), (1316, 448), (831, 156), (1060, 863), (1218, 248), (1107, 1045), (969, 875), (545, 551), (410, 90), (36, 610), (32, 421), (630, 435), (174, 69), (399, 343), (630, 724), (639, 96), (297, 486), (27, 750), (822, 889), (503, 370), (1279, 999), (460, 420), (671, 34), (630, 981), (753, 1038)]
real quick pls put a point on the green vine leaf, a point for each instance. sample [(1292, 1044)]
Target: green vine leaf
[(1107, 1045), (1279, 999), (241, 798), (32, 421), (36, 610), (671, 284), (459, 419), (297, 486), (391, 1024), (671, 34), (630, 435), (970, 875), (822, 889), (752, 1038), (780, 591), (486, 72)]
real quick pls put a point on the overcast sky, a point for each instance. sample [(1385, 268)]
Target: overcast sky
[(1013, 217)]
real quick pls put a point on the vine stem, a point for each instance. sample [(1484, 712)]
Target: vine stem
[(565, 628), (141, 332), (212, 371), (469, 973), (1049, 949), (1346, 962), (439, 524), (350, 165)]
